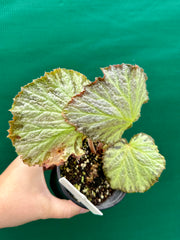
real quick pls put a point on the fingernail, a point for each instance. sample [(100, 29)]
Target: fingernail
[(83, 210)]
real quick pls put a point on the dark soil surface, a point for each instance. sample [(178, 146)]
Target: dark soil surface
[(86, 174)]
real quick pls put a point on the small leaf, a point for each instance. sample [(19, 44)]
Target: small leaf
[(110, 105), (133, 167), (38, 130)]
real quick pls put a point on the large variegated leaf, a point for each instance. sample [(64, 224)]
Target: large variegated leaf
[(110, 105), (38, 130), (133, 167)]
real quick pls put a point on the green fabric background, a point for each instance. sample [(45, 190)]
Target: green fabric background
[(38, 36)]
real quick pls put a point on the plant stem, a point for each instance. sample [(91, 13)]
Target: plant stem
[(91, 146), (99, 147)]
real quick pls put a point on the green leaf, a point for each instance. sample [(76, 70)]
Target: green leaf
[(110, 105), (133, 167), (38, 130)]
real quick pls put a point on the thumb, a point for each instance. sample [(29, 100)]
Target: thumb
[(60, 208)]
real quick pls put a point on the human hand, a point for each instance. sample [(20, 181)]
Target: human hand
[(24, 197)]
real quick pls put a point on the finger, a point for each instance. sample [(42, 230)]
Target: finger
[(61, 208)]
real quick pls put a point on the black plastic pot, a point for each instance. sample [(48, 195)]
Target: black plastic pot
[(61, 192)]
